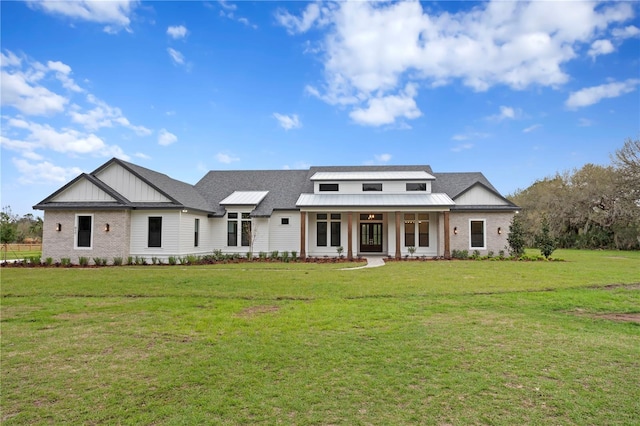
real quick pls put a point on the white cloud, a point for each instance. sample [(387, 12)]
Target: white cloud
[(506, 113), (531, 128), (383, 158), (626, 32), (104, 115), (177, 57), (372, 50), (43, 172), (385, 109), (178, 31), (226, 158), (20, 92), (166, 138), (141, 155), (227, 5), (462, 147), (593, 95), (9, 60), (469, 135), (288, 122), (600, 47), (115, 13)]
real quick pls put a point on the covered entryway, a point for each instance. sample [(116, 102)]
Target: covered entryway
[(371, 237)]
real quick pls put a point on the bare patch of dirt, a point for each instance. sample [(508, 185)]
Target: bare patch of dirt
[(620, 317), (633, 286), (253, 311)]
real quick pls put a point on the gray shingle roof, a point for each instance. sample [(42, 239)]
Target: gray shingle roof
[(284, 187)]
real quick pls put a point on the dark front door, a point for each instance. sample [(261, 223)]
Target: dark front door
[(371, 237)]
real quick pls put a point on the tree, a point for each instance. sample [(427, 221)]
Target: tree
[(516, 236), (8, 229), (544, 241)]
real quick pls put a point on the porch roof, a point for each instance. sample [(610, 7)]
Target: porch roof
[(375, 200)]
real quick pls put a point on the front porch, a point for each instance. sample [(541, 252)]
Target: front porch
[(398, 233)]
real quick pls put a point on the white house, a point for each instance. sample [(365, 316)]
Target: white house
[(122, 209)]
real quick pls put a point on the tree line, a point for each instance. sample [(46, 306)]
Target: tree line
[(16, 229), (591, 207)]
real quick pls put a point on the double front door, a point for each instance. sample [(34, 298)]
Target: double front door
[(371, 237)]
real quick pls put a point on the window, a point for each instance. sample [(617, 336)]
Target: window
[(417, 186), (423, 230), (321, 233), (196, 232), (232, 230), (328, 187), (477, 233), (246, 230), (335, 229), (409, 229), (284, 221), (84, 231), (372, 187), (155, 232)]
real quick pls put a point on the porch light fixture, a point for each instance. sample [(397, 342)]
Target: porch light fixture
[(106, 227), (58, 227), (455, 230), (184, 210), (371, 216), (499, 231)]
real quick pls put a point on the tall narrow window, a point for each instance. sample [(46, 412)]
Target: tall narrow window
[(196, 232), (423, 229), (335, 229), (477, 233), (321, 229), (84, 231), (155, 232), (409, 230), (232, 230), (246, 230)]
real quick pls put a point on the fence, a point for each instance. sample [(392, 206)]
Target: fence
[(21, 247)]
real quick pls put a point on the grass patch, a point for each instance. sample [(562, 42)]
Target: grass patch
[(460, 342)]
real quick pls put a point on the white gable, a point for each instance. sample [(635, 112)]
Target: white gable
[(479, 195), (129, 185), (83, 190)]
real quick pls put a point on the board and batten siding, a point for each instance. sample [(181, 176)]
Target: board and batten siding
[(129, 185), (83, 190), (187, 233), (479, 196), (284, 237), (170, 233)]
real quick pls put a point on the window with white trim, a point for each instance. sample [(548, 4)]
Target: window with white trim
[(154, 236), (84, 231), (477, 234)]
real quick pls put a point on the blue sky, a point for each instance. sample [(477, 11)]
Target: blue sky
[(516, 90)]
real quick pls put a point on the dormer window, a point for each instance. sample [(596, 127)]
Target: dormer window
[(326, 187), (416, 186), (371, 187)]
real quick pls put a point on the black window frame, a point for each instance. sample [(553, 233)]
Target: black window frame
[(328, 187), (475, 236), (196, 232), (284, 221), (409, 229), (245, 237), (416, 186), (84, 231), (423, 237), (154, 231), (377, 187), (321, 233), (232, 230)]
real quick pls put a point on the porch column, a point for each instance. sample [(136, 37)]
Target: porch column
[(398, 254), (349, 236), (303, 235), (447, 248)]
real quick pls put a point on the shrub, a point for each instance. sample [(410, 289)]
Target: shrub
[(35, 261), (274, 254), (262, 255), (48, 261), (501, 254), (285, 256), (476, 255), (130, 260), (490, 254), (154, 260), (172, 260), (117, 261), (249, 255), (339, 249), (65, 261), (217, 255), (544, 241), (97, 261), (411, 250), (460, 254), (516, 237), (294, 255), (83, 261)]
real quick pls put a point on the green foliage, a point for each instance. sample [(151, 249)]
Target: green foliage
[(8, 228), (172, 260), (83, 261), (262, 255), (48, 261), (460, 254), (130, 260), (117, 261), (411, 250), (66, 262), (294, 255), (274, 255), (515, 240), (544, 241)]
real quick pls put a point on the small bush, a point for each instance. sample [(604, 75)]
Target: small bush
[(154, 260), (262, 255), (35, 260), (249, 255), (460, 254), (97, 261), (172, 260), (274, 254), (130, 260), (48, 261), (285, 256), (501, 254), (65, 261), (490, 254), (117, 261), (294, 255), (83, 261), (217, 255)]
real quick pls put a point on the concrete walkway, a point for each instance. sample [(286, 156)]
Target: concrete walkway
[(372, 262)]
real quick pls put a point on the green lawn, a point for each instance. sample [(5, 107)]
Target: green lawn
[(24, 254), (446, 342)]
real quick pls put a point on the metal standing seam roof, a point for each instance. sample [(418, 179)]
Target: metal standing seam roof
[(373, 175), (374, 200), (248, 198)]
